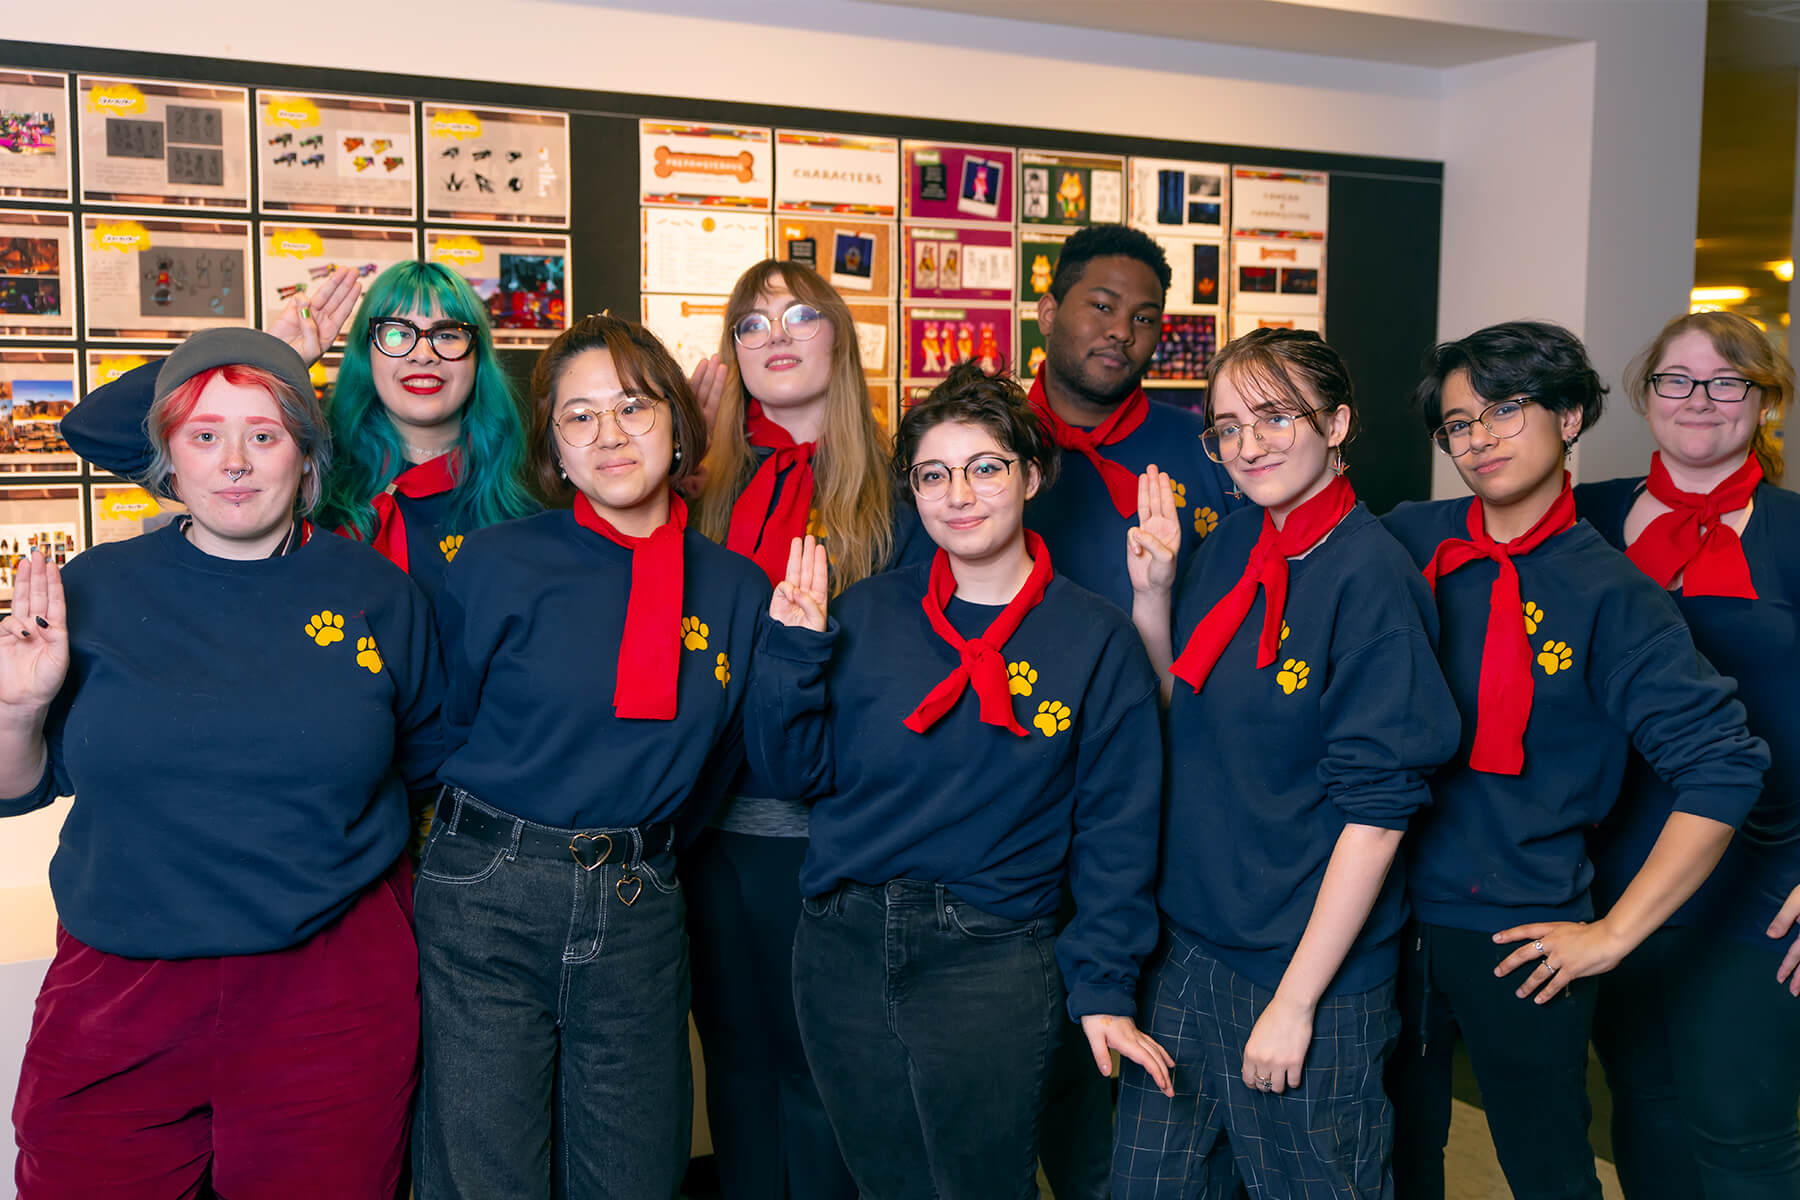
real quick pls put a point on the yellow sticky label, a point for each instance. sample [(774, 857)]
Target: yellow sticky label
[(128, 504), (458, 250), (123, 236), (316, 374), (294, 111), (117, 99), (458, 123), (106, 370), (295, 243)]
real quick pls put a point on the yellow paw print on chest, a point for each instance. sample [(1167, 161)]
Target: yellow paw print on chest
[(1534, 616), (450, 545), (1285, 631), (1020, 677), (722, 671), (367, 655), (1205, 520), (694, 633), (1555, 656), (1293, 674), (1180, 490), (326, 627), (1052, 717)]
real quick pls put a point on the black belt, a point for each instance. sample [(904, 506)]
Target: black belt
[(588, 847)]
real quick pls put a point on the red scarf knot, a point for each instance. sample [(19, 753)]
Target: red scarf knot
[(1121, 481), (432, 477), (758, 532), (645, 685), (1692, 539)]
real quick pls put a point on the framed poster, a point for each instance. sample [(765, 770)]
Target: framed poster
[(297, 258), (34, 135), (104, 366), (157, 143), (523, 278), (1197, 282), (37, 274), (953, 182), (938, 336), (1070, 189), (711, 166), (495, 166), (159, 279), (33, 517), (957, 263), (1282, 204), (37, 389), (692, 327), (1188, 343), (120, 511), (1039, 248), (1170, 196), (837, 173), (688, 251), (874, 336), (855, 257), (323, 153), (1278, 277)]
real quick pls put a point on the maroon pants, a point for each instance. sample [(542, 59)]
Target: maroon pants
[(249, 1077)]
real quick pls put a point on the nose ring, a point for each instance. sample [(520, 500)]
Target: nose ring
[(236, 475)]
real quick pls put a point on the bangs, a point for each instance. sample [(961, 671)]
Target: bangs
[(425, 287)]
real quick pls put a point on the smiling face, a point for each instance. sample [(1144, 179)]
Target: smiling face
[(788, 372), (970, 527), (1699, 433), (1099, 337), (237, 468), (1521, 469), (625, 476), (423, 394), (1275, 476)]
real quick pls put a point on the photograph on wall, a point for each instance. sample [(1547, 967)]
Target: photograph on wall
[(957, 263), (1196, 283), (34, 135), (523, 278), (349, 155), (1178, 197), (1032, 346), (1038, 251), (951, 182), (37, 389), (711, 166), (692, 327), (121, 511), (696, 252), (874, 336), (1244, 322), (33, 517), (1188, 343), (161, 144), (857, 257), (1070, 189), (495, 166), (297, 259), (1278, 277), (159, 279), (37, 274), (1273, 203), (938, 336), (851, 175)]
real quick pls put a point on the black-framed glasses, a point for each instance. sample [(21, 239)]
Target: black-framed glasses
[(396, 337), (1224, 440), (986, 475), (753, 330), (1503, 419), (634, 415), (1721, 389)]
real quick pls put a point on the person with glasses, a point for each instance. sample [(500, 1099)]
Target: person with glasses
[(1562, 657), (972, 733), (597, 658), (794, 449), (1305, 709), (1710, 524)]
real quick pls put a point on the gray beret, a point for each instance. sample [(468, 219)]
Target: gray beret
[(221, 347)]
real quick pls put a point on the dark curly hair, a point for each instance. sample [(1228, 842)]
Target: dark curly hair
[(1103, 241), (1518, 358), (996, 403)]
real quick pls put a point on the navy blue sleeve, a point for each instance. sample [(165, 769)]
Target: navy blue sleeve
[(36, 798), (107, 427), (419, 747), (1388, 721), (788, 729)]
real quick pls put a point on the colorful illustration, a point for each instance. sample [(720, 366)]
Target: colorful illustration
[(27, 132)]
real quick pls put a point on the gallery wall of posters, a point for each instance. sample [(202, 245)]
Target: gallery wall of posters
[(296, 259), (37, 389), (495, 166), (1278, 226), (344, 155), (34, 136), (857, 257), (160, 143), (837, 174), (713, 166), (1070, 189), (946, 182), (37, 274), (158, 279), (523, 278)]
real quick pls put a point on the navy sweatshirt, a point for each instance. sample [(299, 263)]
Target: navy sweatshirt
[(1000, 819), (1613, 667), (1756, 643), (531, 617), (1267, 766), (107, 429), (238, 737), (1084, 531)]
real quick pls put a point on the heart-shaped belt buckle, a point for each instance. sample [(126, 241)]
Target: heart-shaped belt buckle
[(590, 846)]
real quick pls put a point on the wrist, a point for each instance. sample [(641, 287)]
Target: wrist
[(1294, 1003)]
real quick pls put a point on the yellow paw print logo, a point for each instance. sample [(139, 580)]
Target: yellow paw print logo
[(693, 633), (1205, 520), (1180, 490), (1533, 616), (450, 546), (1285, 631), (722, 672), (1020, 677), (367, 655), (1556, 656), (1292, 676), (1052, 718), (326, 627)]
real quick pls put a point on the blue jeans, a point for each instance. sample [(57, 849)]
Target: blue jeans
[(927, 1022), (555, 1001)]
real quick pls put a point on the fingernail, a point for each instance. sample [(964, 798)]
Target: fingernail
[(24, 633), (41, 623), (305, 311)]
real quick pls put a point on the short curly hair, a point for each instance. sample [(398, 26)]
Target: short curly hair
[(996, 403), (1105, 241)]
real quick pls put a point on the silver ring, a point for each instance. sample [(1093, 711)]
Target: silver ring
[(1546, 965), (1539, 947)]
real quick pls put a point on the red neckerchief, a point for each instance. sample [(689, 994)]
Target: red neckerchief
[(751, 521), (1121, 481), (1267, 569), (1503, 704), (1692, 539), (650, 651), (983, 658), (430, 478)]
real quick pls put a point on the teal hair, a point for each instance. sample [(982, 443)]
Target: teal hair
[(368, 448)]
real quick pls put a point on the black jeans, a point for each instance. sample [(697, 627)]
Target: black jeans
[(1702, 1054), (1530, 1061), (927, 1022)]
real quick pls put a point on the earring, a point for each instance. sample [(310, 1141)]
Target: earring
[(1569, 442), (1338, 465), (562, 473), (678, 455)]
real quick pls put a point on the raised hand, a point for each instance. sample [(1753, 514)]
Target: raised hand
[(311, 323), (800, 599), (1151, 545), (34, 641), (708, 382)]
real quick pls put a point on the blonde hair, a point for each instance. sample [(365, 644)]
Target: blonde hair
[(1744, 348), (853, 492)]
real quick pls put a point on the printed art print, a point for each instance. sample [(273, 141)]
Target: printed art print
[(149, 143)]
